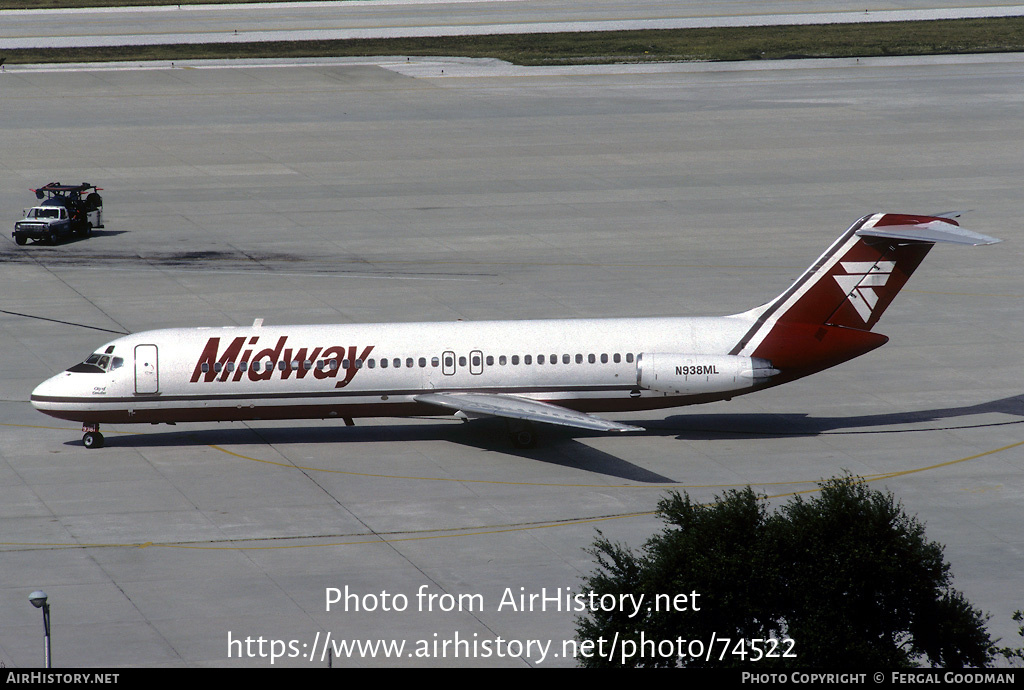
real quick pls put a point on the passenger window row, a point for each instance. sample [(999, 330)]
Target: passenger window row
[(603, 358), (409, 362)]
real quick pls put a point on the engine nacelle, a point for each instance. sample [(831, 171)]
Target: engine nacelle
[(682, 374)]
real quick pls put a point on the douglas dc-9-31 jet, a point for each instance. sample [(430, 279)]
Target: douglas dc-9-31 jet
[(557, 371)]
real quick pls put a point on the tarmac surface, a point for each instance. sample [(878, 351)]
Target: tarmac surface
[(393, 190)]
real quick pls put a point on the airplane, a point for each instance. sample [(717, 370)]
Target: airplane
[(555, 371)]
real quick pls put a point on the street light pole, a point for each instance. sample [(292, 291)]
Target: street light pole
[(38, 599)]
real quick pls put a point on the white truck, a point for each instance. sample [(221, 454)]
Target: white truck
[(67, 210)]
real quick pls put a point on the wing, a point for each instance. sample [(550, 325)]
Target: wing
[(497, 405)]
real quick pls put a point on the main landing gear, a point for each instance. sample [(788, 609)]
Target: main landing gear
[(92, 438), (521, 433)]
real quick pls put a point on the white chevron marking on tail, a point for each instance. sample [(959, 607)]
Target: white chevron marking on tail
[(859, 283)]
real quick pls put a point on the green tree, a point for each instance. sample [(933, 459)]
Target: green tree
[(847, 574), (701, 548), (1014, 655)]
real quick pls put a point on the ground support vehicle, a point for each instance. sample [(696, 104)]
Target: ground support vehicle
[(66, 211)]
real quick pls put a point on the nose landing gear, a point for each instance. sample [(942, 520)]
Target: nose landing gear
[(92, 438)]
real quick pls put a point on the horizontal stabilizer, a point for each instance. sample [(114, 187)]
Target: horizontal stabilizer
[(934, 231), (515, 407)]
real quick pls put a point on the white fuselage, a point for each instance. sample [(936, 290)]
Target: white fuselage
[(360, 370)]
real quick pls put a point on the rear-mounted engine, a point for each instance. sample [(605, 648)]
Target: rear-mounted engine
[(682, 374)]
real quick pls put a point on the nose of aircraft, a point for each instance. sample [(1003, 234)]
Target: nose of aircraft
[(48, 389)]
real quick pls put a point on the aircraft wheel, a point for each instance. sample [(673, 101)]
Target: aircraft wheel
[(92, 439), (523, 437)]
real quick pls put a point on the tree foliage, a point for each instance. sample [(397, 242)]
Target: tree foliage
[(1014, 656), (847, 574)]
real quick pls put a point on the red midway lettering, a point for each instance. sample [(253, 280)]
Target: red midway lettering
[(272, 355), (352, 369), (212, 362), (209, 359)]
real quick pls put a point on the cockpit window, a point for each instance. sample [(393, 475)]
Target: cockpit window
[(97, 363)]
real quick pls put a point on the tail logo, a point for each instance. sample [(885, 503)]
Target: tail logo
[(860, 281)]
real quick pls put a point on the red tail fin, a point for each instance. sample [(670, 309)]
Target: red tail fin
[(824, 318)]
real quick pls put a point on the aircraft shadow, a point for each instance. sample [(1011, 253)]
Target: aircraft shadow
[(762, 425), (557, 445), (561, 445)]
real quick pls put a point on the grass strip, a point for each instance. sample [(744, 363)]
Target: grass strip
[(933, 37)]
